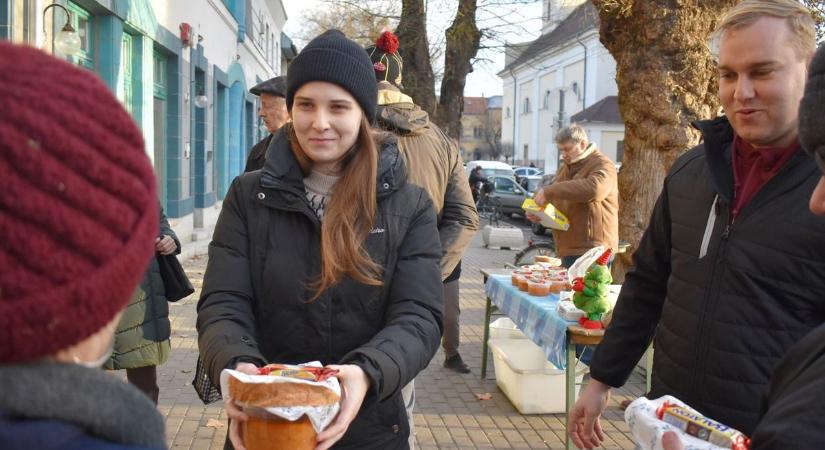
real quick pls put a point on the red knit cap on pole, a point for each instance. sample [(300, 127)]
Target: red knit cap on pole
[(78, 209)]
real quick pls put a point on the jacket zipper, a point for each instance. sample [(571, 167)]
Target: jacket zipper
[(711, 296), (306, 209)]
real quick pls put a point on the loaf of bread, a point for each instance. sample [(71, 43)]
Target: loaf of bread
[(276, 395), (547, 260), (279, 434)]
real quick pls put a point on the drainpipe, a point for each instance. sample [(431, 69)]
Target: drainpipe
[(515, 103), (584, 88)]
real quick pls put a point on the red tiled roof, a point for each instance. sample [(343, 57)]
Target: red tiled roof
[(475, 106)]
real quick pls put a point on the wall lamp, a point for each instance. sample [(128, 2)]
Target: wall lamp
[(67, 42)]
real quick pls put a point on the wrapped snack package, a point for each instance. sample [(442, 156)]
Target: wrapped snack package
[(550, 216), (648, 420), (287, 405)]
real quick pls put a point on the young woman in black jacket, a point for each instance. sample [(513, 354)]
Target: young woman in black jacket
[(328, 254)]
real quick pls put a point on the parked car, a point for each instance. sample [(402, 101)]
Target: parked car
[(490, 168), (531, 182), (510, 193), (527, 171)]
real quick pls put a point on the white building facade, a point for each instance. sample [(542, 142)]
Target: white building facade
[(563, 73), (183, 69)]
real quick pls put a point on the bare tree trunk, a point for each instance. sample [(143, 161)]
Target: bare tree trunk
[(667, 79), (418, 72), (463, 40)]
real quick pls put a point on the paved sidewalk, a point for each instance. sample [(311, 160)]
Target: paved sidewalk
[(448, 414)]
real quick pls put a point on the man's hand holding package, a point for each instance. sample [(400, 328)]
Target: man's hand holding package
[(541, 201), (671, 441)]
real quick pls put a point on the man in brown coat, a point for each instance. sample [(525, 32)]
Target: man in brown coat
[(586, 191)]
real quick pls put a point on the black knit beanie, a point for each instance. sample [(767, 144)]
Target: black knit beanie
[(333, 58), (811, 131), (386, 62)]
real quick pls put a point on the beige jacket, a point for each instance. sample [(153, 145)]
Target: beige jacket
[(587, 192), (434, 164)]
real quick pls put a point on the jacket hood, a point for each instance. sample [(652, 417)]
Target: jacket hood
[(397, 112), (281, 169)]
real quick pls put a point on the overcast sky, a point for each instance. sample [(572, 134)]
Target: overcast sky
[(483, 79)]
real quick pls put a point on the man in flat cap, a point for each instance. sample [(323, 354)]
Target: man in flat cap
[(274, 114)]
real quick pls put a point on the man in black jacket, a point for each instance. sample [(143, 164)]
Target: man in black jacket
[(725, 281), (793, 414), (272, 93)]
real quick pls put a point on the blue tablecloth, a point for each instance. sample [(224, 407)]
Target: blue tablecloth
[(537, 317)]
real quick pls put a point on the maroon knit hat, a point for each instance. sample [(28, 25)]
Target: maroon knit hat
[(78, 212)]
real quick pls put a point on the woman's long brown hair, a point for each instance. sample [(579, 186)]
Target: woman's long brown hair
[(350, 214)]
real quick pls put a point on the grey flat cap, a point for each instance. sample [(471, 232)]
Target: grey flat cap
[(274, 86)]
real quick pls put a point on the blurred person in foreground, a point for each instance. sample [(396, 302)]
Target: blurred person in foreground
[(722, 278), (793, 411), (78, 221)]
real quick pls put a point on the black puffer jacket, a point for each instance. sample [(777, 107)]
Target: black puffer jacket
[(794, 409), (264, 253), (257, 156), (725, 301)]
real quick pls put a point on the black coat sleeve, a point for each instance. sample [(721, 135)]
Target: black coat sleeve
[(226, 322), (639, 306), (794, 411), (413, 326)]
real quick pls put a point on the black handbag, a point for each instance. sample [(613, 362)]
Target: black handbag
[(206, 391), (175, 281)]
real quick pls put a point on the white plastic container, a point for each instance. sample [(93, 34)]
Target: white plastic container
[(532, 384), (505, 328), (502, 237)]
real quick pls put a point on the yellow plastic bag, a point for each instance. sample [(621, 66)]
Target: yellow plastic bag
[(550, 216)]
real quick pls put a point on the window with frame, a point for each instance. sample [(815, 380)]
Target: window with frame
[(526, 108), (159, 81), (546, 104), (561, 102), (125, 82), (265, 49), (82, 23), (23, 20), (505, 185)]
